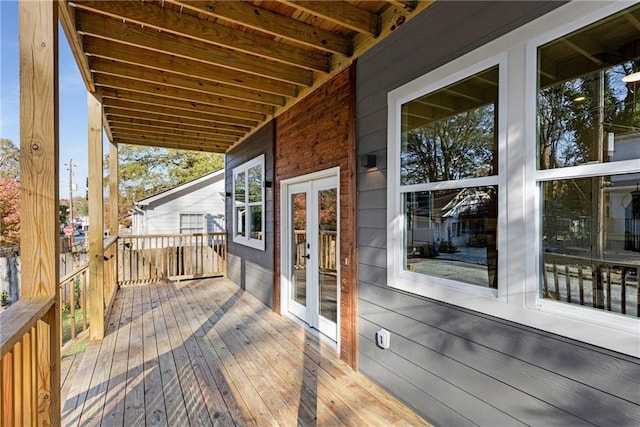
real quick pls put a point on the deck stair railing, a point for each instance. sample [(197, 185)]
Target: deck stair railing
[(604, 284), (148, 258)]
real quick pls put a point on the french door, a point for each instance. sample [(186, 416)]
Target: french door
[(313, 250)]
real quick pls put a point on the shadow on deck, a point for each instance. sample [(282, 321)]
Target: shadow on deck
[(204, 352)]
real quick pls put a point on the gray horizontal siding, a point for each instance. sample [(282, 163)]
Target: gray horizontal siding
[(251, 268), (455, 366)]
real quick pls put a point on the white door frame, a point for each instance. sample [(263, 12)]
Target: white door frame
[(285, 226)]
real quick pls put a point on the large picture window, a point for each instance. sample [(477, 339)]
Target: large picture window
[(513, 181), (448, 182), (588, 131), (248, 203)]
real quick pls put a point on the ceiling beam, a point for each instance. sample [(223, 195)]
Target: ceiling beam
[(67, 17), (134, 72), (171, 143), (188, 67), (164, 109), (158, 124), (162, 101), (130, 129), (181, 94), (147, 38), (152, 15), (171, 120), (268, 22), (341, 13)]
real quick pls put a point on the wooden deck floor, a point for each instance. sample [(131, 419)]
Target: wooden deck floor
[(204, 352)]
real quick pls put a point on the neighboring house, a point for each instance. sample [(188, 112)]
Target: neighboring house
[(551, 334), (193, 207)]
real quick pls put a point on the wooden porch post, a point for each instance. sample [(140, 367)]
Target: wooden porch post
[(113, 188), (96, 218), (39, 252)]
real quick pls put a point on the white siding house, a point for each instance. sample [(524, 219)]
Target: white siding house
[(193, 207)]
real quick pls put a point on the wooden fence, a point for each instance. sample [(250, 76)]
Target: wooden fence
[(605, 284), (147, 258)]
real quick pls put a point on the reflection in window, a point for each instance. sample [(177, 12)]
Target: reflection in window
[(451, 234), (589, 113), (451, 133), (248, 197), (255, 184), (239, 187), (328, 253), (256, 222), (591, 241), (588, 93)]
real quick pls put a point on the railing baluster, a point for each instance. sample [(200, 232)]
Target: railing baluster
[(623, 291), (608, 287), (581, 285), (567, 278), (556, 282)]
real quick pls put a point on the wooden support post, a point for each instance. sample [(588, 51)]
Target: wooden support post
[(113, 188), (39, 180), (113, 205), (96, 218)]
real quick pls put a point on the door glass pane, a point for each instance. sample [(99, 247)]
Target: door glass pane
[(327, 252), (299, 248)]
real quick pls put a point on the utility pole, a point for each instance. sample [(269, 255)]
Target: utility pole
[(71, 203)]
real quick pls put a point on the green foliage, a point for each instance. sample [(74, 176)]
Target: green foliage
[(64, 214), (145, 171), (9, 159), (4, 299), (460, 146)]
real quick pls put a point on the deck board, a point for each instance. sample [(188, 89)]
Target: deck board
[(204, 352)]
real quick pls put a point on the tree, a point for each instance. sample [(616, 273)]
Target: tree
[(9, 211), (9, 193), (64, 214), (9, 159), (461, 146), (145, 171)]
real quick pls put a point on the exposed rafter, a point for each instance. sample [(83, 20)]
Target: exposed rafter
[(204, 74)]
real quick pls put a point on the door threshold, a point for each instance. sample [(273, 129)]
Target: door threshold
[(324, 340)]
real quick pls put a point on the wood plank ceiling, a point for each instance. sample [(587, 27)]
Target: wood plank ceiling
[(204, 75)]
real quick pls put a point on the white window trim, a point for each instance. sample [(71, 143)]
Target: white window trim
[(200, 214), (518, 289), (398, 277), (247, 240)]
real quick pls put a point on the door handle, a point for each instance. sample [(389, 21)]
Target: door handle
[(308, 256)]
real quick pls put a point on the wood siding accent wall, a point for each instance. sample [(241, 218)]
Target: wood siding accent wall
[(318, 134), (455, 366), (251, 268)]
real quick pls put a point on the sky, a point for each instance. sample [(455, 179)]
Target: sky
[(72, 102)]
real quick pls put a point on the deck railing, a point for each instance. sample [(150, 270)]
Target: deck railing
[(74, 305), (605, 284), (110, 272), (28, 329), (147, 258)]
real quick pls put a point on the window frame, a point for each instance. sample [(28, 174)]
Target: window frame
[(397, 276), (247, 240), (518, 299), (535, 177), (191, 214)]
